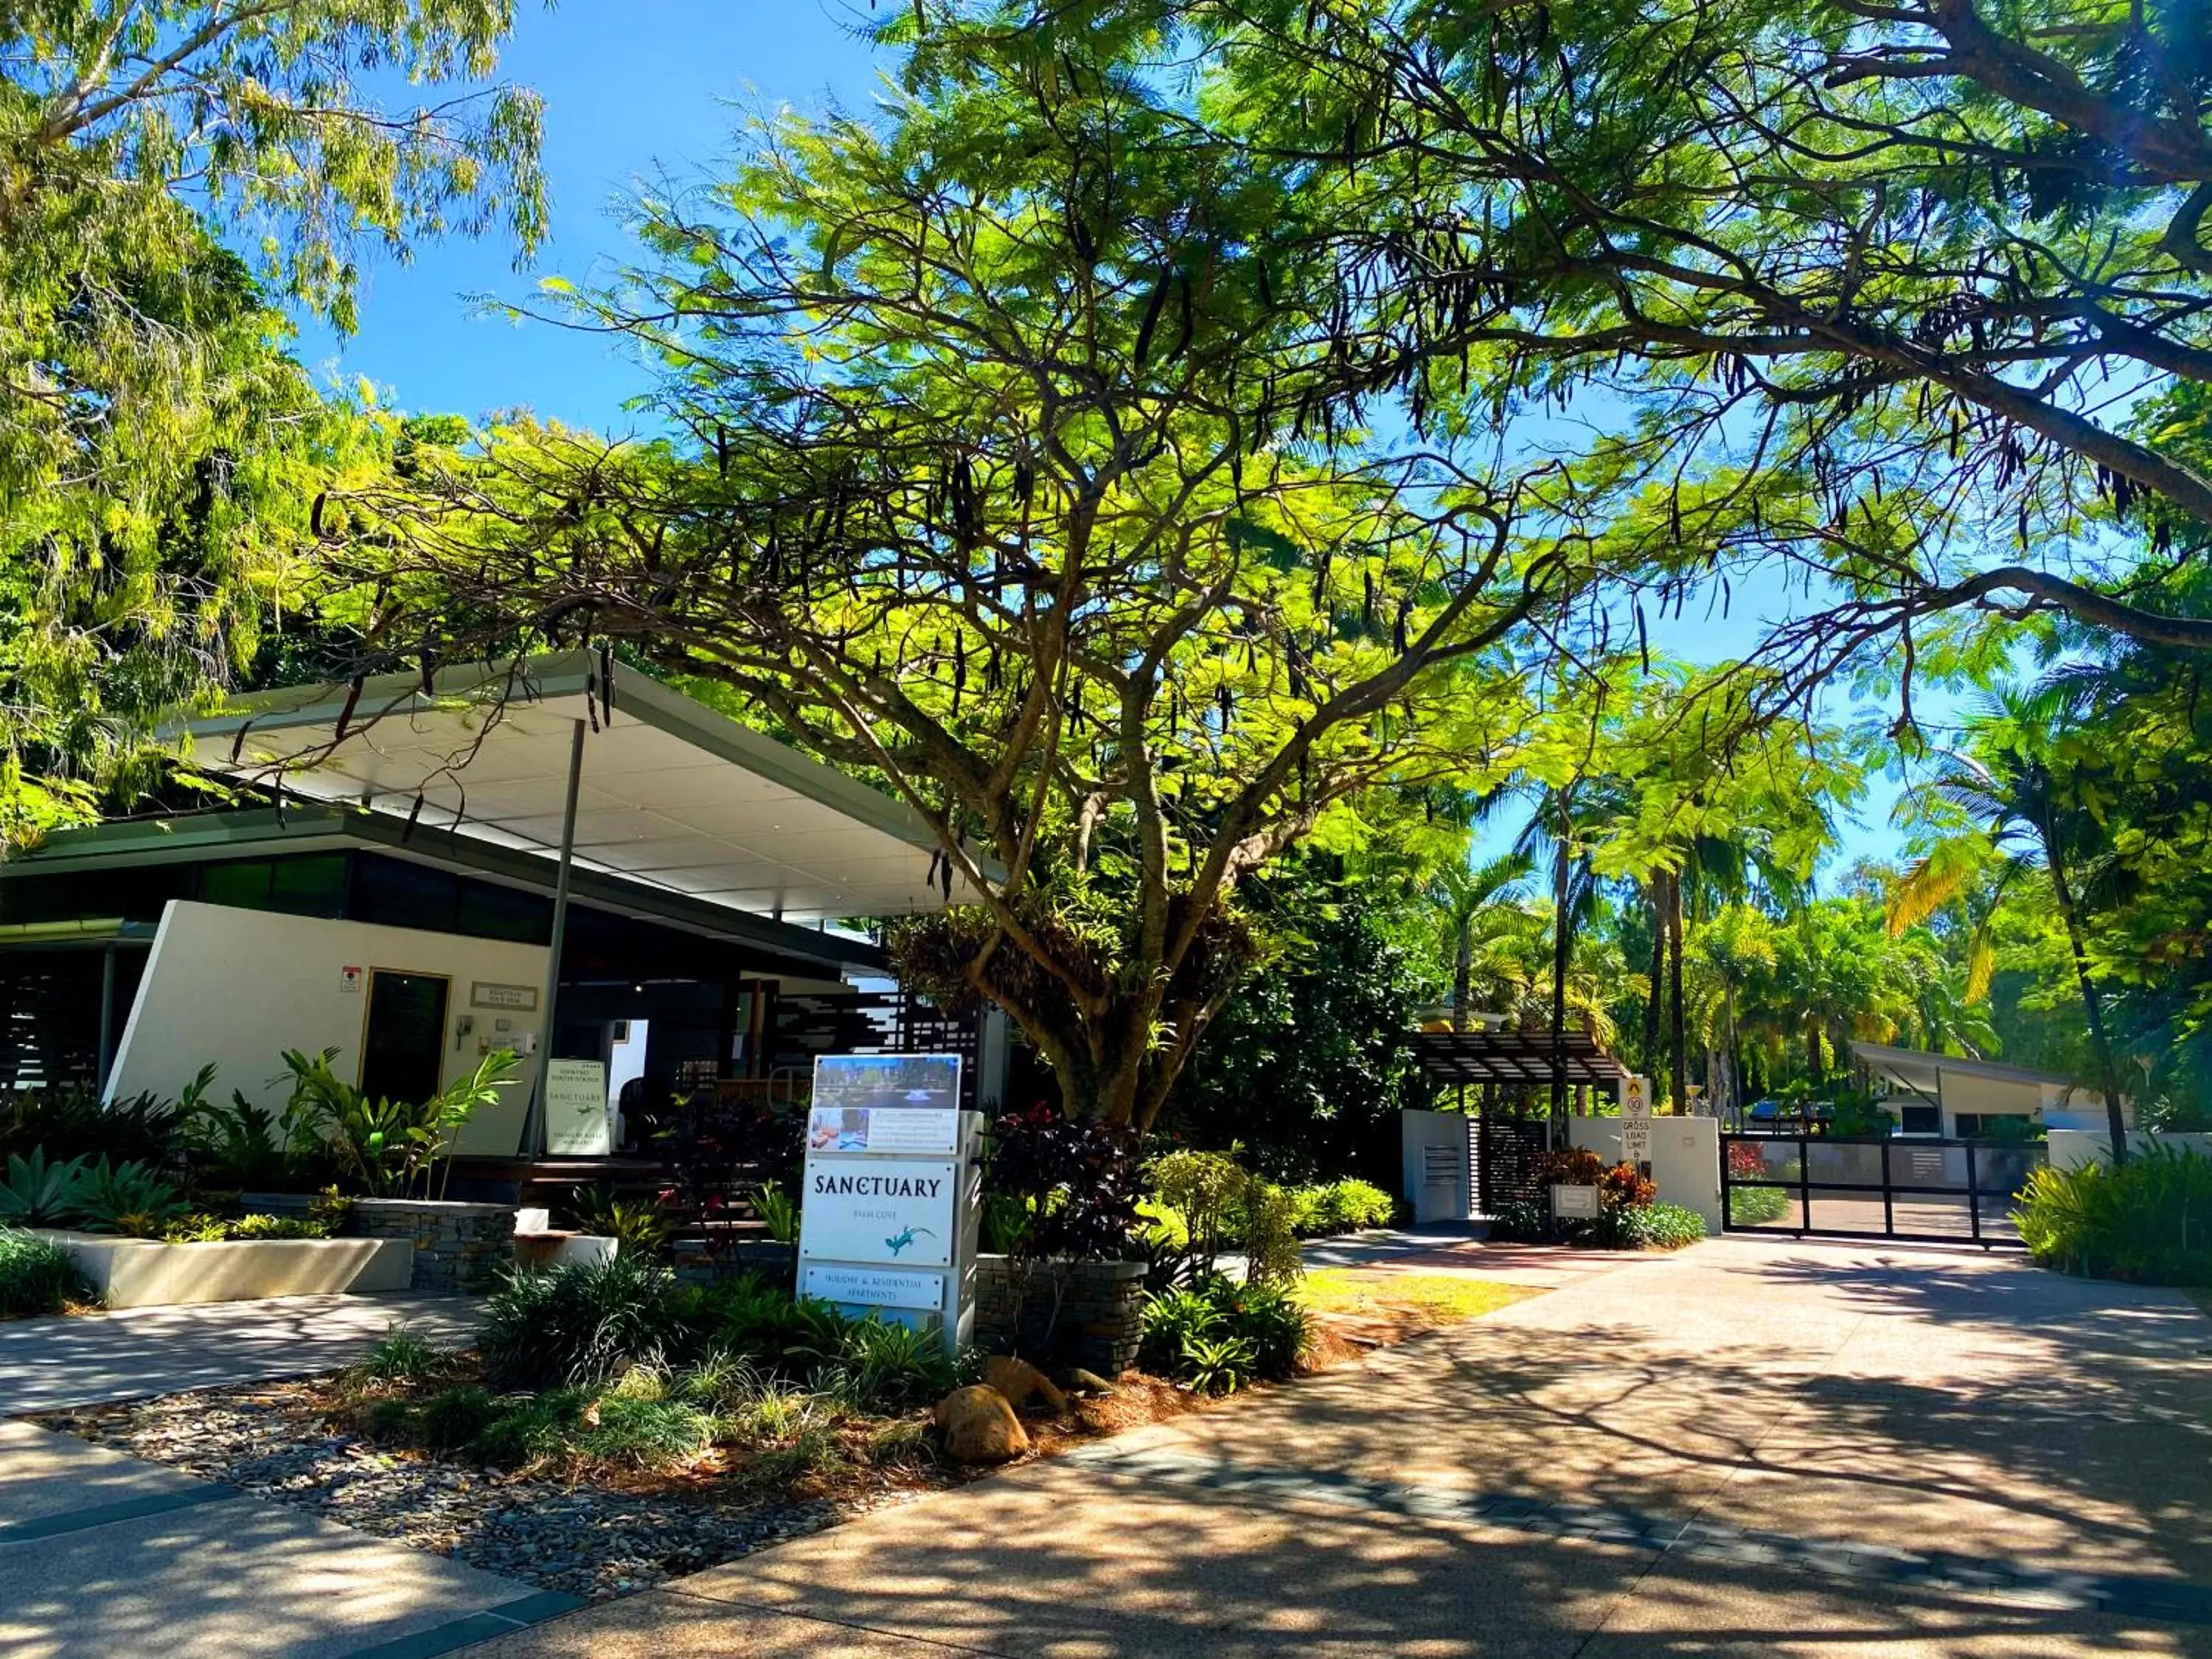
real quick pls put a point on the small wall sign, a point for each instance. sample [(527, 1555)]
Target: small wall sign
[(1574, 1203), (350, 980), (482, 994)]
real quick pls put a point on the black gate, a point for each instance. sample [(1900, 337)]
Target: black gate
[(1507, 1150), (1950, 1191)]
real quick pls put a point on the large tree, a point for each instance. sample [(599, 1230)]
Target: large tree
[(174, 178), (1022, 471)]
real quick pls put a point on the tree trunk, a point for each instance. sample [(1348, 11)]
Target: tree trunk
[(1561, 945), (1657, 892), (2093, 1004), (1677, 1042), (1818, 1067), (1463, 972)]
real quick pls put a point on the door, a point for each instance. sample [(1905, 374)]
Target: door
[(402, 1050)]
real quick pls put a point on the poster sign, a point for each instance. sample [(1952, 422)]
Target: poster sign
[(483, 994), (576, 1123), (883, 1129), (878, 1210), (1574, 1203), (878, 1081), (873, 1288)]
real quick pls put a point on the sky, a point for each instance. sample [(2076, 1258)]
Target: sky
[(637, 88)]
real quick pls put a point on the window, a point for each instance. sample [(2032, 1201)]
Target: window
[(1920, 1120), (241, 882), (314, 884), (488, 911), (393, 894)]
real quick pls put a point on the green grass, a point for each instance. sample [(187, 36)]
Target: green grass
[(37, 1277), (1442, 1296)]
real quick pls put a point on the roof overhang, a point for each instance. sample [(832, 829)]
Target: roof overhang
[(672, 794), (1526, 1057), (1922, 1071)]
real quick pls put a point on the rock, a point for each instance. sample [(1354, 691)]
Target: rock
[(979, 1426), (1082, 1382), (1021, 1382)]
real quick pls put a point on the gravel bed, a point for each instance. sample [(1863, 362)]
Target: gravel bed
[(588, 1539)]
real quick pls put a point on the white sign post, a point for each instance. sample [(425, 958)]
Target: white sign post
[(888, 1202), (1636, 1122)]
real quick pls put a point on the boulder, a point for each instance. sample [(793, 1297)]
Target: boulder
[(978, 1426), (1021, 1382)]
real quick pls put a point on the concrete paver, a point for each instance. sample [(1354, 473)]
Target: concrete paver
[(49, 1364), (1751, 1446)]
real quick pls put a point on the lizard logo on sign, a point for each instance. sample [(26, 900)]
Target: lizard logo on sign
[(898, 1241)]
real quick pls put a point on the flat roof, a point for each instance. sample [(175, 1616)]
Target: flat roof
[(1479, 1056), (673, 793)]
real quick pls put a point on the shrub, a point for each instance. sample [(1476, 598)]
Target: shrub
[(76, 1123), (1522, 1221), (388, 1147), (528, 1427), (456, 1416), (201, 1228), (640, 1226), (884, 1366), (1077, 1180), (400, 1355), (2151, 1220), (581, 1324), (645, 1433), (779, 1212), (1355, 1204), (39, 1193), (37, 1277), (1624, 1187), (1659, 1226), (129, 1199), (1231, 1333), (1755, 1207)]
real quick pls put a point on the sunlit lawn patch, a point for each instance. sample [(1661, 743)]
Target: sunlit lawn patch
[(1441, 1298)]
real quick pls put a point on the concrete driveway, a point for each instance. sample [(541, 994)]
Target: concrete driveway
[(1751, 1446)]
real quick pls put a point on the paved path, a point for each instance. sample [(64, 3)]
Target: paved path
[(1752, 1447), (103, 1555), (46, 1364)]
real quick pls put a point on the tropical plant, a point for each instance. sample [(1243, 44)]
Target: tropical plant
[(37, 1277), (388, 1148), (124, 1198), (640, 1226), (1215, 1335), (779, 1212), (581, 1324), (1076, 1181), (38, 1194), (1215, 1364), (2150, 1218)]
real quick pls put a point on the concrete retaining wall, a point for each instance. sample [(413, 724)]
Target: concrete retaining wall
[(137, 1273), (1089, 1314)]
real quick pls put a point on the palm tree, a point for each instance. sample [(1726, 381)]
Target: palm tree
[(2017, 813), (1553, 828), (1476, 901)]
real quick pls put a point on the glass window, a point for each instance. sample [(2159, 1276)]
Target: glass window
[(488, 911), (312, 885), (396, 894), (241, 882)]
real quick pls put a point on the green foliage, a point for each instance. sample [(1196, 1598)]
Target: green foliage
[(531, 1428), (1216, 1335), (642, 1226), (1657, 1226), (388, 1148), (1338, 1206), (400, 1355), (37, 1277), (124, 1198), (163, 446), (1757, 1207), (2151, 1220), (40, 1194), (645, 1434), (456, 1416), (779, 1212), (200, 1228), (579, 1324), (882, 1366)]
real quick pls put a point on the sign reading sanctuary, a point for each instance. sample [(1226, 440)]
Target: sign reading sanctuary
[(897, 1212)]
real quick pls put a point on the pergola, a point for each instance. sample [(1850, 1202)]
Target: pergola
[(1514, 1057)]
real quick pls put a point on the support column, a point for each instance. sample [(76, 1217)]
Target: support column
[(533, 1124), (106, 1018)]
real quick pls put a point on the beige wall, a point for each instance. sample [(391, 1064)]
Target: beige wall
[(1686, 1158), (235, 987)]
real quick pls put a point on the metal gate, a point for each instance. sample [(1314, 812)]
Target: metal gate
[(1951, 1192), (1507, 1150)]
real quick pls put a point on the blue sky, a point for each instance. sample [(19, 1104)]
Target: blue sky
[(637, 88)]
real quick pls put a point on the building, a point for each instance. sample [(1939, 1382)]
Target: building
[(1951, 1095), (553, 857)]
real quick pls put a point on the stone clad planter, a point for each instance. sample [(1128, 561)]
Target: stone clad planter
[(1089, 1314), (139, 1272), (464, 1248)]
